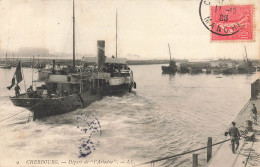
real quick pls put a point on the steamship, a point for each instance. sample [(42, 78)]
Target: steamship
[(77, 87)]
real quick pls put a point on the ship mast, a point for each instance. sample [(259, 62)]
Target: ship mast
[(6, 58), (246, 54), (170, 52), (116, 33), (73, 37)]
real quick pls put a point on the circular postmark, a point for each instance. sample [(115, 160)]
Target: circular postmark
[(91, 129), (221, 18)]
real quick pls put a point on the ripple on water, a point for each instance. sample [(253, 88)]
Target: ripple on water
[(159, 119)]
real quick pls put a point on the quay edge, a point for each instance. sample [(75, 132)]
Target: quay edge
[(247, 149)]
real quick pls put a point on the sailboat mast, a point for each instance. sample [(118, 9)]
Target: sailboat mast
[(170, 52), (32, 70), (73, 37), (116, 33), (6, 58), (246, 53)]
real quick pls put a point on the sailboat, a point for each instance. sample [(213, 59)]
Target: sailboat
[(246, 67), (5, 66), (77, 87), (172, 68), (219, 76)]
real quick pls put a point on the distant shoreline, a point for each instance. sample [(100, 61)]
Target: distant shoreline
[(29, 62)]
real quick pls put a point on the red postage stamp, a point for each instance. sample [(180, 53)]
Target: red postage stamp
[(232, 23)]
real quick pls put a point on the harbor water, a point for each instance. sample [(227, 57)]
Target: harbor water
[(164, 116)]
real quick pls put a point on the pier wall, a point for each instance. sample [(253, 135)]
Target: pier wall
[(255, 89), (247, 149)]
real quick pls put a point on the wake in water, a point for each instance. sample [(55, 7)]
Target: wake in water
[(160, 119)]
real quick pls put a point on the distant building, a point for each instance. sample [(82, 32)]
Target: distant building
[(27, 51)]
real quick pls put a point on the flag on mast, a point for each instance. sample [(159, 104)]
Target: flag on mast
[(18, 73), (17, 76)]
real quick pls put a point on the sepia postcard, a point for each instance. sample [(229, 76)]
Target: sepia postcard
[(127, 83)]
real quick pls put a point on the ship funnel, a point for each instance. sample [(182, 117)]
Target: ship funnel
[(101, 54)]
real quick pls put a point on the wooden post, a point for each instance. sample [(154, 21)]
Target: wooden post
[(209, 149), (195, 160), (249, 125)]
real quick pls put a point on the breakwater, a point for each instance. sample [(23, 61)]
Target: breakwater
[(38, 63), (29, 62)]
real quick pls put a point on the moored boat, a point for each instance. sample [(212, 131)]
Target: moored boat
[(219, 76), (230, 70), (5, 66), (246, 67), (172, 68)]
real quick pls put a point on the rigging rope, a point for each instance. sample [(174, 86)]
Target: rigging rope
[(83, 51), (11, 116), (67, 38), (20, 112)]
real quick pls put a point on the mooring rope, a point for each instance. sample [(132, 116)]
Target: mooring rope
[(19, 112), (12, 116), (176, 155)]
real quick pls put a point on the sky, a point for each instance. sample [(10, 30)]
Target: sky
[(144, 28)]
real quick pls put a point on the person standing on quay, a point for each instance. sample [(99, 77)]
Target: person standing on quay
[(254, 111), (234, 136)]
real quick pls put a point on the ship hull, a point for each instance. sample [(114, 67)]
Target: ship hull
[(62, 105), (169, 70), (44, 107), (230, 71), (116, 89), (195, 70), (25, 102), (246, 70)]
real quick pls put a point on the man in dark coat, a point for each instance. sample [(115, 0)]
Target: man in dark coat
[(234, 136), (17, 90), (254, 111)]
